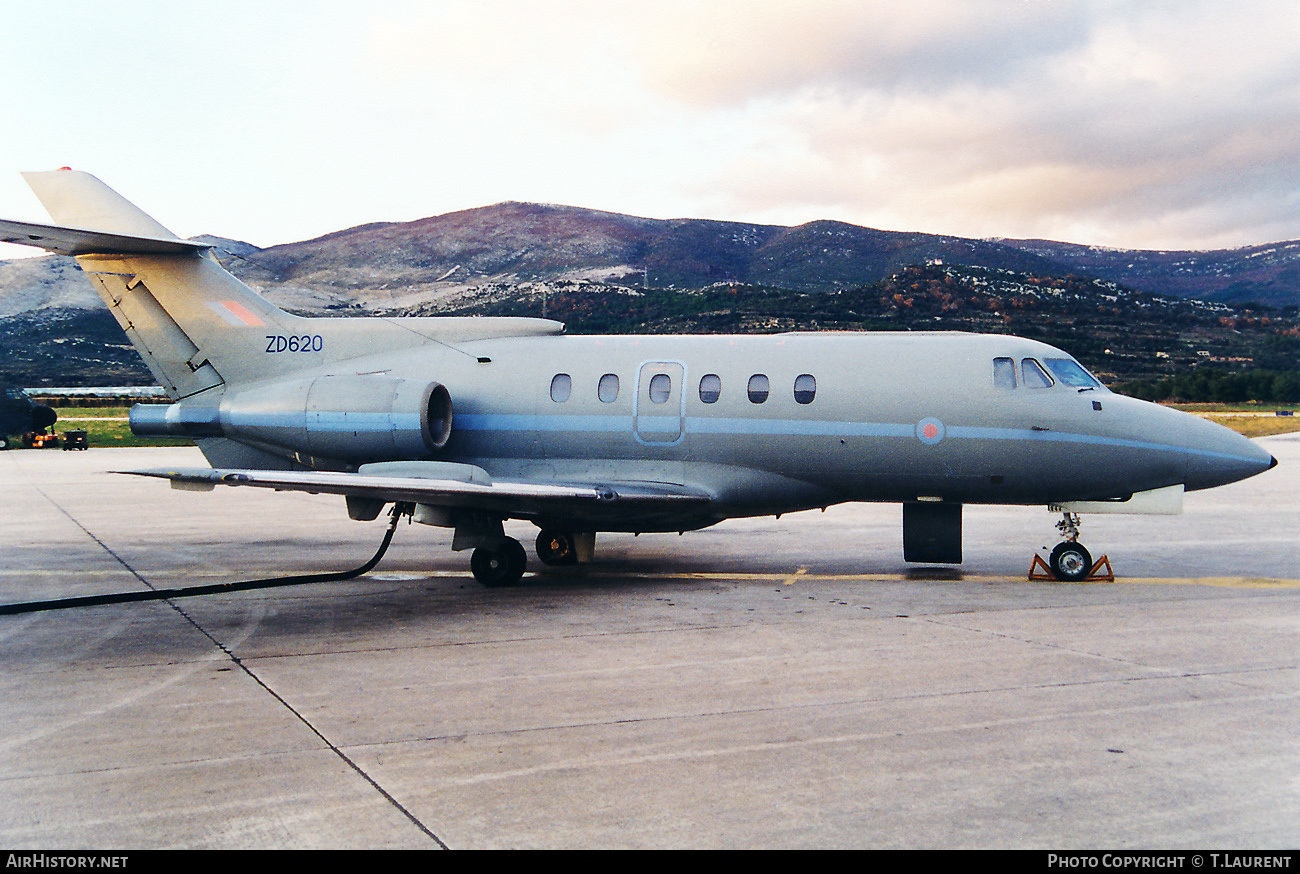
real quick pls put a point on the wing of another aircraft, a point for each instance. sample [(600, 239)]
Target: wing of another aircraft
[(459, 485)]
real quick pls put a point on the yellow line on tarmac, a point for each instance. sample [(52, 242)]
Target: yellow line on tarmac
[(793, 578), (802, 575), (799, 575)]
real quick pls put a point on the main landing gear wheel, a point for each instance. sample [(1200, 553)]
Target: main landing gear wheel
[(1070, 562), (556, 547), (501, 565)]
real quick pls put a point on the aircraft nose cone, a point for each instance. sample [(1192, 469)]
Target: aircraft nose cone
[(1218, 456), (43, 417)]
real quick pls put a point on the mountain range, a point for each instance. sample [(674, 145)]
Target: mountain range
[(519, 242), (478, 259)]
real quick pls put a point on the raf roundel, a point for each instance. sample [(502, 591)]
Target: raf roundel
[(930, 431)]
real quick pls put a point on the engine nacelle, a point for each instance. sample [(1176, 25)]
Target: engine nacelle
[(347, 417)]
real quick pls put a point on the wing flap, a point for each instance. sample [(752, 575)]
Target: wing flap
[(510, 497)]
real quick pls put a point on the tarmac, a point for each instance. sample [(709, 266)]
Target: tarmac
[(767, 683)]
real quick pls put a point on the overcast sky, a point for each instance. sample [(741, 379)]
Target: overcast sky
[(1112, 122)]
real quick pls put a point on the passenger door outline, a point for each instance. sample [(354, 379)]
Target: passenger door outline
[(660, 423)]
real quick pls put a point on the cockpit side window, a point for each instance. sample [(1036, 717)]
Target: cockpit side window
[(1004, 373), (1070, 372), (1033, 375)]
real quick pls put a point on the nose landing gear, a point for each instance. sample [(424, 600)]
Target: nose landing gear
[(1069, 561)]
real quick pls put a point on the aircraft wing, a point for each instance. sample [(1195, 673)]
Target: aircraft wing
[(517, 498), (79, 241)]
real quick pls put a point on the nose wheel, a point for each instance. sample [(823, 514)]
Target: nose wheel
[(1069, 561)]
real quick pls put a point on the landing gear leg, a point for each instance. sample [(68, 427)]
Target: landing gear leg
[(499, 564), (1070, 562)]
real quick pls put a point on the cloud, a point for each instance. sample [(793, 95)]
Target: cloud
[(1161, 123), (1152, 124), (732, 51), (1132, 124)]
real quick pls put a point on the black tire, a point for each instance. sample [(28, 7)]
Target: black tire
[(499, 566), (556, 547), (1070, 562)]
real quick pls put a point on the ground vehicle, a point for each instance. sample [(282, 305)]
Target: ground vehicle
[(41, 440)]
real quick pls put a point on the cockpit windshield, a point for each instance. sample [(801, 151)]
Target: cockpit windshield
[(1070, 372)]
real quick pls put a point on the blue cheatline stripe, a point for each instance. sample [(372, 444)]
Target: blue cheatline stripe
[(614, 424), (504, 422), (804, 428), (328, 420)]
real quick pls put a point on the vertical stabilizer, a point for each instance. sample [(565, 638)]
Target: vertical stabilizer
[(195, 325), (80, 200)]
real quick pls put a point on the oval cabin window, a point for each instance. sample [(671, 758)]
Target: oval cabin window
[(805, 388), (607, 388), (661, 386), (561, 388), (710, 388)]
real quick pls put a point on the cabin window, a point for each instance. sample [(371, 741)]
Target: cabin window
[(1033, 375), (1004, 373), (607, 388), (661, 386), (1071, 373), (758, 388), (805, 388), (561, 388), (710, 388)]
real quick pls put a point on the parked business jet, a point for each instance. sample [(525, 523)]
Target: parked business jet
[(467, 422), (19, 415)]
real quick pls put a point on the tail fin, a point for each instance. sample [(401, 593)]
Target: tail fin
[(79, 200), (196, 326)]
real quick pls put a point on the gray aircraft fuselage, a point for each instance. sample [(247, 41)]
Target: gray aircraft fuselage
[(897, 417)]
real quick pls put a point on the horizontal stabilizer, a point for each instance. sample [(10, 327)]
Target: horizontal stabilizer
[(79, 241)]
